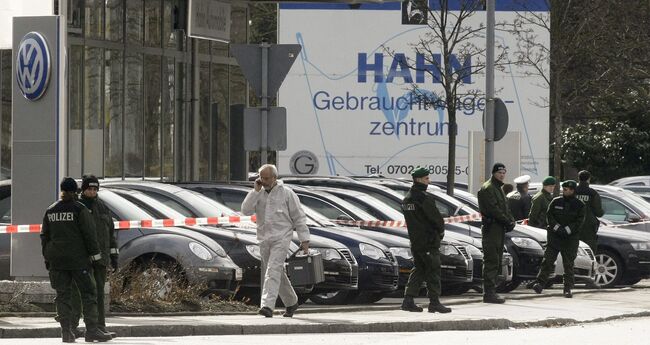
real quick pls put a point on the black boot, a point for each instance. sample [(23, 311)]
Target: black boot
[(266, 311), (567, 292), (103, 330), (491, 296), (436, 307), (94, 334), (538, 287), (409, 305), (290, 310), (66, 334)]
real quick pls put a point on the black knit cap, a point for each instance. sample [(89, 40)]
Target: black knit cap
[(68, 184), (498, 166), (89, 181)]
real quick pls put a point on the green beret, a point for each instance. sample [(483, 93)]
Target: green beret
[(549, 180), (420, 172), (569, 184)]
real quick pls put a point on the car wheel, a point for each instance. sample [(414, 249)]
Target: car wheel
[(161, 276), (609, 269), (509, 286), (331, 298)]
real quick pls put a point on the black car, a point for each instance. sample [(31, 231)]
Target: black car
[(157, 251), (378, 272), (340, 270), (623, 256)]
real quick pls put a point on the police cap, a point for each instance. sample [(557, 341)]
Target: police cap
[(420, 172)]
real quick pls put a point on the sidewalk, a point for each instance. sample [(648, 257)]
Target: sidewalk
[(521, 310)]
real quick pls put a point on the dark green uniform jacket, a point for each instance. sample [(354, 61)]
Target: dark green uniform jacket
[(593, 208), (519, 204), (104, 228), (68, 236), (564, 212), (425, 225), (493, 206), (537, 216)]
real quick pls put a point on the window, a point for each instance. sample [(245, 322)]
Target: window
[(133, 124), (205, 128), (114, 20), (445, 210), (75, 110), (322, 207), (152, 23), (134, 21), (168, 111), (152, 115), (6, 62), (5, 210), (94, 19), (232, 200), (360, 204), (221, 140), (177, 206), (93, 135), (614, 210), (114, 119)]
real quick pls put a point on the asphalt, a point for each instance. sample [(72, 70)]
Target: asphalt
[(522, 310)]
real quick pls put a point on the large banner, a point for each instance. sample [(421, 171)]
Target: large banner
[(351, 106)]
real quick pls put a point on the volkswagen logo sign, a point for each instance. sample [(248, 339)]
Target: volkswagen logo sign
[(33, 66), (303, 163)]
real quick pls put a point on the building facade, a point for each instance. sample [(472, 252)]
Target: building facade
[(144, 99)]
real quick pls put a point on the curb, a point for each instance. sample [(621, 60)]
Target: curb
[(424, 326), (335, 309)]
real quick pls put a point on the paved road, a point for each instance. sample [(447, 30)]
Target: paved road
[(622, 332)]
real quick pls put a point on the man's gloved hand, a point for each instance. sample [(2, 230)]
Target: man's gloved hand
[(114, 262)]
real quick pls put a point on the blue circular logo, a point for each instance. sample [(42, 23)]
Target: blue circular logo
[(33, 66)]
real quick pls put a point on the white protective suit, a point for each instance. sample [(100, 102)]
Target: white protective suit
[(278, 213)]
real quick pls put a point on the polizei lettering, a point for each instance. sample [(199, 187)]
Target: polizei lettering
[(61, 217)]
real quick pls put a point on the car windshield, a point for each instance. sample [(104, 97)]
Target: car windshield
[(638, 202), (206, 206), (390, 212), (315, 217), (149, 204), (461, 209), (123, 208)]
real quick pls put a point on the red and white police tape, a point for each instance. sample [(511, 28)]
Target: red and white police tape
[(401, 223), (146, 223), (161, 223)]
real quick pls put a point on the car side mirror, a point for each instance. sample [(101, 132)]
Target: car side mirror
[(344, 217), (633, 218)]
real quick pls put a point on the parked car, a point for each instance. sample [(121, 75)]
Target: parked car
[(159, 252), (378, 274), (623, 256), (340, 272), (233, 194), (639, 181)]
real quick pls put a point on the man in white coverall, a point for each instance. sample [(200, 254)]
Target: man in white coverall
[(278, 212)]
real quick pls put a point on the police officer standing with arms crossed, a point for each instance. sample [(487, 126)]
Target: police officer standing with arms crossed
[(105, 232), (497, 220), (541, 200), (565, 216), (70, 249), (426, 228), (519, 201)]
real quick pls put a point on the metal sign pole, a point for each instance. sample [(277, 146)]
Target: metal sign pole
[(489, 90), (265, 101)]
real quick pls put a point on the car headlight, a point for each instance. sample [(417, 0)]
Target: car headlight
[(448, 249), (523, 242), (641, 245), (254, 250), (371, 251), (202, 252), (473, 251), (403, 252), (329, 253)]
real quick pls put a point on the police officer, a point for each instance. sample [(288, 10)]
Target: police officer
[(565, 216), (105, 232), (540, 202), (519, 201), (497, 220), (70, 249), (593, 209), (426, 228)]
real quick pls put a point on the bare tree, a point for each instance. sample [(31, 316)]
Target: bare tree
[(452, 51)]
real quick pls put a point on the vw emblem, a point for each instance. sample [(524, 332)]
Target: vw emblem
[(33, 66), (303, 163)]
